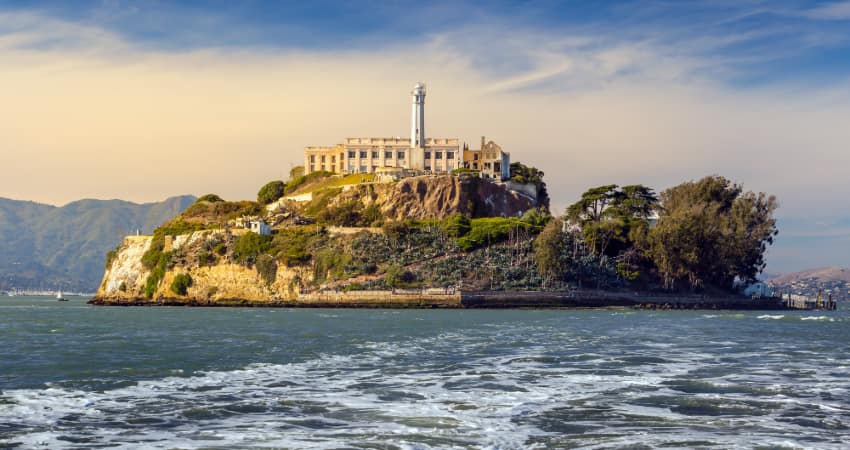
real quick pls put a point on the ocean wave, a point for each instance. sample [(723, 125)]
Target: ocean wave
[(502, 388)]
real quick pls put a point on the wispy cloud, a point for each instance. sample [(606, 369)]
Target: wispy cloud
[(830, 11)]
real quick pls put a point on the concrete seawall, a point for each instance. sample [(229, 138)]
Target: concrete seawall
[(439, 298)]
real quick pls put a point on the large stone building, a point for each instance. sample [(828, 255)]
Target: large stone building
[(415, 155)]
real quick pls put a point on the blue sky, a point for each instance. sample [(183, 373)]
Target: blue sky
[(652, 92), (747, 43)]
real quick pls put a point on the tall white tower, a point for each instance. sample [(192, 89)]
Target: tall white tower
[(417, 118)]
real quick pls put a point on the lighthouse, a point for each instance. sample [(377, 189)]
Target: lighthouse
[(417, 128), (417, 117)]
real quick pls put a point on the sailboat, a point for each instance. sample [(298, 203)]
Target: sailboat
[(60, 297)]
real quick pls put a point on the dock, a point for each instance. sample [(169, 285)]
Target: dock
[(794, 301)]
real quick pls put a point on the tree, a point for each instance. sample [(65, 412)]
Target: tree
[(520, 173), (295, 172), (710, 233), (271, 192), (613, 219), (212, 198), (456, 226), (552, 250)]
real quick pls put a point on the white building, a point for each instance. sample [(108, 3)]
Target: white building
[(260, 227), (418, 154)]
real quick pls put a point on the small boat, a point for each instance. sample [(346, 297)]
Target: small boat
[(60, 297)]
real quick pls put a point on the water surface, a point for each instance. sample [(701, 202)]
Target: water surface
[(76, 376)]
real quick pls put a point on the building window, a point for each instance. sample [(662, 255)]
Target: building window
[(362, 169), (438, 155), (323, 158), (475, 156), (341, 156), (427, 167), (388, 155), (400, 155), (323, 167), (375, 155), (362, 154), (333, 159), (312, 158), (351, 168), (351, 155), (312, 168), (427, 155), (374, 169), (450, 155)]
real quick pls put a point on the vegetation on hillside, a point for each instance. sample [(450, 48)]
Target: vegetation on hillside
[(270, 192), (709, 234), (703, 234), (520, 173)]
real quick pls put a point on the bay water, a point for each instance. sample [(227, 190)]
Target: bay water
[(79, 376)]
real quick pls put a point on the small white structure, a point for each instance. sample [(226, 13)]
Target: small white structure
[(260, 227)]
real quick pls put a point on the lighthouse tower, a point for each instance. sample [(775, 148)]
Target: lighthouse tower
[(417, 118), (417, 128)]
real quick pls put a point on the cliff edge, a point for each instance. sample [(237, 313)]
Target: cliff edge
[(416, 234)]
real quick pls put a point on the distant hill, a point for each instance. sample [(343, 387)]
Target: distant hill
[(820, 274), (49, 247)]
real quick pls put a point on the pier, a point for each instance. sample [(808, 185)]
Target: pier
[(794, 301)]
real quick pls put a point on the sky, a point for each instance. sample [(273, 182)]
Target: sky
[(145, 100)]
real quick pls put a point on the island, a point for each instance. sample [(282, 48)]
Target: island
[(451, 241), (429, 222)]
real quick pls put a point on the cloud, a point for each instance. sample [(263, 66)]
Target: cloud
[(830, 11)]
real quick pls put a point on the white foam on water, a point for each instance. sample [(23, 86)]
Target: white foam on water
[(826, 318), (771, 317), (404, 394)]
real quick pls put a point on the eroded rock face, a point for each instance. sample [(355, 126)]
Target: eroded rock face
[(439, 197), (126, 276)]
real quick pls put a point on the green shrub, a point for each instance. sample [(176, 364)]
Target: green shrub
[(456, 226), (348, 214), (212, 198), (295, 172), (247, 247), (206, 259), (110, 257), (331, 263), (461, 170), (220, 249), (271, 192), (304, 179), (291, 244), (397, 276), (157, 273), (267, 268), (395, 230), (181, 283), (490, 230)]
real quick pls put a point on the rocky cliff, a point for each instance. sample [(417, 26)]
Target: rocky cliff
[(336, 241), (438, 197), (223, 279)]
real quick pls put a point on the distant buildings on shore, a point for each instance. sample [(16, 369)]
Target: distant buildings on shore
[(418, 154)]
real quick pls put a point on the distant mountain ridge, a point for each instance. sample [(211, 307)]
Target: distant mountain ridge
[(49, 247), (832, 273)]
